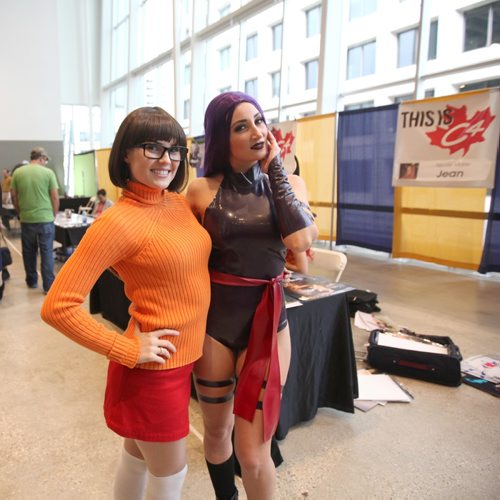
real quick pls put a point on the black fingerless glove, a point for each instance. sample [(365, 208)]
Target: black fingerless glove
[(292, 213)]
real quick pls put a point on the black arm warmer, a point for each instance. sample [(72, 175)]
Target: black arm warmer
[(292, 213)]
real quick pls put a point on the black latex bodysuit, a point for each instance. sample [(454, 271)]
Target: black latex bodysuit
[(245, 242)]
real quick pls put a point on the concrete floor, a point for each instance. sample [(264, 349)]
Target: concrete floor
[(445, 444)]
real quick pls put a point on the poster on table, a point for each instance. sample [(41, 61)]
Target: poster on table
[(448, 142), (285, 133)]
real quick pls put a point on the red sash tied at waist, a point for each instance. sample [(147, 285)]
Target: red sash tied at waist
[(262, 353)]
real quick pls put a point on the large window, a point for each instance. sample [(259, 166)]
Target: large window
[(275, 83), (251, 52), (482, 26), (119, 39), (312, 74), (187, 74), (433, 35), (224, 56), (251, 87), (313, 21), (361, 60), (277, 33), (361, 8), (155, 30), (407, 47)]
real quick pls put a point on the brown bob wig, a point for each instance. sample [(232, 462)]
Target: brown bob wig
[(145, 125)]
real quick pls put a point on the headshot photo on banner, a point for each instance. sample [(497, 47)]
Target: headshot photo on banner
[(285, 133), (449, 141), (196, 152)]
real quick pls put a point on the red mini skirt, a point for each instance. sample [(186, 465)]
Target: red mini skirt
[(148, 405)]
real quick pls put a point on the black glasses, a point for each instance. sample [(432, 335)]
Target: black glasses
[(155, 151)]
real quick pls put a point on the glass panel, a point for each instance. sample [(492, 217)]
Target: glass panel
[(360, 8), (313, 21), (354, 62), (277, 33), (251, 87), (406, 48), (224, 56), (158, 87), (433, 33), (275, 83), (369, 58), (119, 49), (476, 28), (187, 105), (187, 74), (312, 74), (495, 11), (251, 52), (120, 11), (118, 106), (155, 34)]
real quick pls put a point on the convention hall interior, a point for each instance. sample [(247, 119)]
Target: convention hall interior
[(337, 73)]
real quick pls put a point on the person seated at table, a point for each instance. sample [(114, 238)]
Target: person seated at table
[(101, 204)]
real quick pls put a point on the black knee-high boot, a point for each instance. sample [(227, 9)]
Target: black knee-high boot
[(222, 476)]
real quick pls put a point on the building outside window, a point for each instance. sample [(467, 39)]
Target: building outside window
[(361, 60), (433, 35), (487, 84), (224, 10), (407, 47), (186, 109), (251, 87), (429, 93), (225, 89), (482, 26), (361, 8), (187, 74), (402, 98), (251, 52), (359, 105), (224, 56), (275, 83), (313, 21), (277, 34), (312, 74)]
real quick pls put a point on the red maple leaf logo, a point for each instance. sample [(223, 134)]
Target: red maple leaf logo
[(285, 143), (461, 132)]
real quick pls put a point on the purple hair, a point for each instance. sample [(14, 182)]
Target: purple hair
[(218, 118)]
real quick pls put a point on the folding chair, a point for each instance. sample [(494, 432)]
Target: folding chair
[(331, 260)]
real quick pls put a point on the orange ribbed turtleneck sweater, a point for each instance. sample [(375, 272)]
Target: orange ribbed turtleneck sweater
[(151, 238)]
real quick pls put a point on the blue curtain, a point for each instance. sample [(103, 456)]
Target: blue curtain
[(365, 156), (490, 261)]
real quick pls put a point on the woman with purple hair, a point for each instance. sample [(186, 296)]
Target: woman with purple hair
[(253, 213)]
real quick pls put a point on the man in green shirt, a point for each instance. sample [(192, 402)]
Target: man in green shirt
[(36, 200)]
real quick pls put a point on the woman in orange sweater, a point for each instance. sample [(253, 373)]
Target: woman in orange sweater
[(152, 240)]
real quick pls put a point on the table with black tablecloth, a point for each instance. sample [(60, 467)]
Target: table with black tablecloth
[(322, 368)]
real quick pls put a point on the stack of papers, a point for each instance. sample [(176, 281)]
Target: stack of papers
[(379, 389)]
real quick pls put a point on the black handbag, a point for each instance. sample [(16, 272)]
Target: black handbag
[(6, 255), (432, 367)]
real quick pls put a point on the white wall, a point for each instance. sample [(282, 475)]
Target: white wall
[(29, 71)]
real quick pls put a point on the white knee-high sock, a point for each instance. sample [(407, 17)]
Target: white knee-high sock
[(166, 487), (130, 479)]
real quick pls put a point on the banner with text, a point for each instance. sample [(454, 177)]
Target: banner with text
[(448, 142), (285, 133)]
